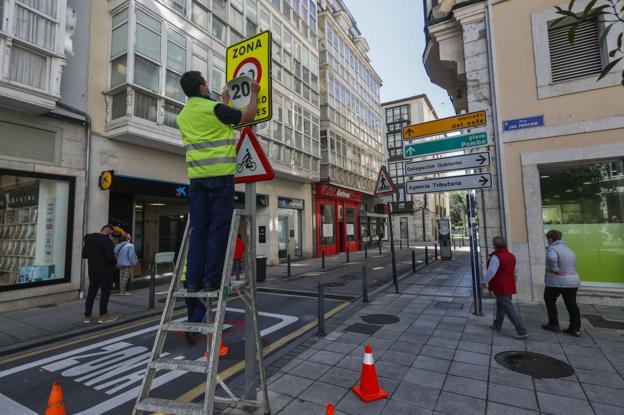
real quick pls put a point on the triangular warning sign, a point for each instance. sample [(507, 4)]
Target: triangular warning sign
[(252, 165), (384, 185)]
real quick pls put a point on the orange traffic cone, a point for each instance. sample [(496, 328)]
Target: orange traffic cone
[(223, 350), (56, 406), (330, 409), (369, 389)]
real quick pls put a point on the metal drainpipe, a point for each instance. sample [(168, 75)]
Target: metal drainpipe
[(87, 165), (499, 141)]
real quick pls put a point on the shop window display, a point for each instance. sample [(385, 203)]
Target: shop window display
[(33, 229), (328, 224), (586, 203)]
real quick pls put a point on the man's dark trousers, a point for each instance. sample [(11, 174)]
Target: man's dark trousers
[(99, 281), (211, 204), (569, 298)]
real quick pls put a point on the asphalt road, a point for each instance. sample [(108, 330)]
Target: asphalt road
[(101, 373)]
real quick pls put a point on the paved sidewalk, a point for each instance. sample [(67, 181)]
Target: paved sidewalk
[(439, 358)]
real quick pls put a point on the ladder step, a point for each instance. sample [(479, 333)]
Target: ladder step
[(196, 366), (185, 326), (170, 407), (182, 293)]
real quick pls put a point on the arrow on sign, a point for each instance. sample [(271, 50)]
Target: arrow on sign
[(481, 159), (483, 181), (449, 184), (463, 162), (409, 131)]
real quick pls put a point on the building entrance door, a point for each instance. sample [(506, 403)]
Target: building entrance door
[(282, 237)]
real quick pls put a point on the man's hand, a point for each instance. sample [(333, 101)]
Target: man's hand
[(249, 114), (255, 87), (225, 96)]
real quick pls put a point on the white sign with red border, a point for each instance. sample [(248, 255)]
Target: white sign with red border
[(252, 165), (385, 185)]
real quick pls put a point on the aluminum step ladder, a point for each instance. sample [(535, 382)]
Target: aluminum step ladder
[(246, 290)]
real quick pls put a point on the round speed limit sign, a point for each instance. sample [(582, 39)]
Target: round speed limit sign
[(239, 90), (249, 67)]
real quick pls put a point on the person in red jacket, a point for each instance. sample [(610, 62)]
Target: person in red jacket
[(238, 256), (500, 278)]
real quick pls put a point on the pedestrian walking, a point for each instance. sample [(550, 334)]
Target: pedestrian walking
[(238, 256), (98, 250), (500, 278), (125, 254), (208, 136), (561, 279)]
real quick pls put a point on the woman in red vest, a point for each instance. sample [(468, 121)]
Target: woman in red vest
[(501, 279), (238, 256)]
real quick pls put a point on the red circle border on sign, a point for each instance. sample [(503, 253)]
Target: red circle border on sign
[(253, 60)]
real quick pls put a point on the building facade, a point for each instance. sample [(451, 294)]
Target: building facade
[(42, 158), (559, 130), (415, 215), (351, 144)]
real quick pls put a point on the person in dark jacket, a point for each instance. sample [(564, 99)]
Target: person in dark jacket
[(98, 250), (238, 256), (500, 278)]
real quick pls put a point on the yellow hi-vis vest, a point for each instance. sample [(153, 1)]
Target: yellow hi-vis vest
[(183, 276), (210, 145)]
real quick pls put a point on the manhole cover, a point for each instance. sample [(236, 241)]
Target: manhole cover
[(334, 284), (381, 319), (449, 305), (534, 364), (601, 322), (363, 328)]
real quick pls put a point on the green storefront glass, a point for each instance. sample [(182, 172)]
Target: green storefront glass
[(586, 203)]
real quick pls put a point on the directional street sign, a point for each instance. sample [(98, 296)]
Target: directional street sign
[(252, 58), (252, 165), (445, 125), (385, 185), (445, 145), (449, 184), (466, 161)]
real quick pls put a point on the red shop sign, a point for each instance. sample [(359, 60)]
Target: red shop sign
[(324, 189)]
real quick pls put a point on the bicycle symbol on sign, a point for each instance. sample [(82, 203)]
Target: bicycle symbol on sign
[(246, 163)]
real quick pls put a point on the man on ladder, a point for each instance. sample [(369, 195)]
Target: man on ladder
[(207, 133)]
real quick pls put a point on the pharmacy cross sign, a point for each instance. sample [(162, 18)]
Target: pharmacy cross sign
[(384, 185)]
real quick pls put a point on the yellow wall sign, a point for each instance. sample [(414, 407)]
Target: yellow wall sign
[(252, 57), (106, 179), (445, 125)]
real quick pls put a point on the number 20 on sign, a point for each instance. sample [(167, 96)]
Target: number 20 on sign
[(252, 58)]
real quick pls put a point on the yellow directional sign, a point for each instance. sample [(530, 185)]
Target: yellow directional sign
[(252, 58), (445, 125)]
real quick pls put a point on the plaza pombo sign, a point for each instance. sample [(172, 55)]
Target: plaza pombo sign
[(251, 58)]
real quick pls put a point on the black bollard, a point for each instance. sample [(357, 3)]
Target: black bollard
[(435, 255), (347, 250), (288, 259), (454, 245), (400, 243), (365, 251), (152, 287), (323, 260), (413, 261), (426, 255), (321, 311), (364, 284), (380, 247)]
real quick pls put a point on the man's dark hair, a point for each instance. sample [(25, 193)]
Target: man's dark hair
[(190, 83), (106, 227)]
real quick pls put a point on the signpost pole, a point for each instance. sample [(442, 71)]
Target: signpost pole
[(422, 209), (394, 270), (250, 344)]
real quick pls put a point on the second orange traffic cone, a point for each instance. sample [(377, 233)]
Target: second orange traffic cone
[(223, 350), (369, 390), (330, 409), (56, 405)]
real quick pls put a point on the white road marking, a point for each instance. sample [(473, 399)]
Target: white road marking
[(377, 268)]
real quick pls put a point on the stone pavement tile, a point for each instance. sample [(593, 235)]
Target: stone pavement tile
[(576, 350), (596, 377), (425, 378), (509, 395), (602, 409), (341, 377), (310, 370), (406, 347), (334, 335), (451, 403), (307, 353), (353, 405), (556, 405), (326, 357), (494, 408), (388, 334), (440, 342), (418, 329), (432, 363), (601, 394), (355, 338), (290, 385), (559, 387), (417, 395), (278, 401), (377, 343), (399, 358), (465, 386), (300, 407), (440, 352), (390, 370), (401, 408), (584, 362), (447, 334), (351, 363), (323, 393), (471, 357), (467, 370), (414, 338), (503, 376), (474, 347), (340, 347)]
